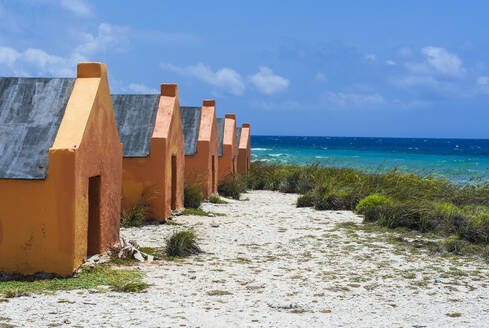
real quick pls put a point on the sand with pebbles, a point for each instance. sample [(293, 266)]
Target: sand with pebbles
[(270, 264)]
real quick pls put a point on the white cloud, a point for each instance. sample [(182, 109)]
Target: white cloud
[(225, 79), (78, 7), (437, 71), (321, 77), (8, 56), (267, 82), (141, 88), (390, 63), (443, 61), (351, 100), (108, 37), (483, 80), (34, 61), (371, 57)]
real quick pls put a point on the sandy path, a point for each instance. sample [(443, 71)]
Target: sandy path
[(270, 264)]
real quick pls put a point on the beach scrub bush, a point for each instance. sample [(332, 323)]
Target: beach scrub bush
[(182, 244), (306, 200), (232, 187), (372, 201), (192, 197), (392, 199), (336, 201), (136, 215), (215, 199)]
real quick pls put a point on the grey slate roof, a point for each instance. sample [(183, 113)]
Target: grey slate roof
[(220, 133), (135, 116), (191, 126), (31, 110), (238, 136)]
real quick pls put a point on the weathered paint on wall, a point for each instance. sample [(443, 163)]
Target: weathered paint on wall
[(244, 149), (44, 223), (228, 162), (199, 167), (150, 178)]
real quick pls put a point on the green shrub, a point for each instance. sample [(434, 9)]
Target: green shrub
[(135, 216), (397, 215), (371, 201), (215, 199), (232, 187), (306, 200), (336, 201), (192, 197), (182, 244)]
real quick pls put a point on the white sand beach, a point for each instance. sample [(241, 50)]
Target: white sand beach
[(270, 264)]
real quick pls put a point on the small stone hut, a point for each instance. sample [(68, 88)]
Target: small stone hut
[(153, 165), (201, 146), (60, 171), (228, 150), (244, 148)]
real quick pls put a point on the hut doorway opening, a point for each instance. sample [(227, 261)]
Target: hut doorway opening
[(214, 174), (173, 182), (93, 239)]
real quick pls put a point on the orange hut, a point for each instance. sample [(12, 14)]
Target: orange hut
[(244, 148), (228, 150), (60, 171), (153, 164), (201, 146)]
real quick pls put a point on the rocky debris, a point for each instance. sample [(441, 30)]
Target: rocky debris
[(286, 306), (175, 213), (98, 258), (123, 250), (129, 250)]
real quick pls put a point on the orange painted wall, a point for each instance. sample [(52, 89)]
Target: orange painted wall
[(244, 149), (198, 167), (143, 179), (44, 223), (168, 128), (150, 177), (228, 162)]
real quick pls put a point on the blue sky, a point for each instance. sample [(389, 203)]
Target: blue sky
[(331, 68)]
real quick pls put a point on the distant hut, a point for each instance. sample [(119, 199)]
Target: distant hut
[(150, 129), (228, 150), (201, 146), (244, 148), (60, 171)]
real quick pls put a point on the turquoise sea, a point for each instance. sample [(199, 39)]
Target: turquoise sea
[(462, 160)]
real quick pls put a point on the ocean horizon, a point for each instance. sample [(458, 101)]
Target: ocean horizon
[(459, 159)]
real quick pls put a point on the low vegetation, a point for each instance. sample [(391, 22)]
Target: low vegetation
[(199, 212), (215, 199), (89, 278), (232, 187), (458, 212), (182, 243), (192, 197), (137, 215)]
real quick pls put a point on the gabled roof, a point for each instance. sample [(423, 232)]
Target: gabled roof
[(238, 136), (220, 133), (191, 117), (135, 116), (31, 110)]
